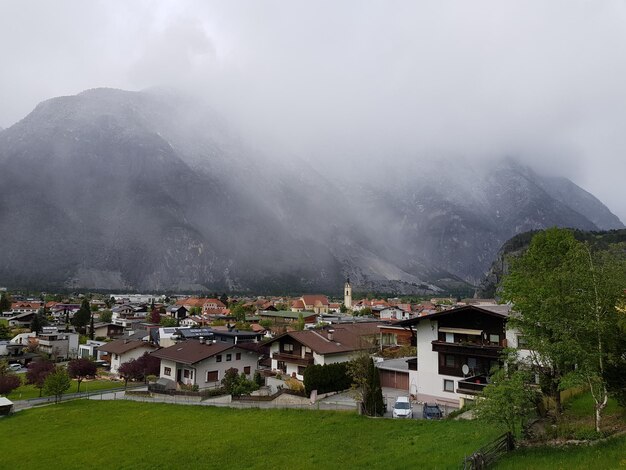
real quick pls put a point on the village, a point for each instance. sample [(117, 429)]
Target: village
[(438, 351)]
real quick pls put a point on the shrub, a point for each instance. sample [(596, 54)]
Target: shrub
[(326, 378)]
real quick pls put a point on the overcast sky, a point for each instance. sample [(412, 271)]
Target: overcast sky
[(541, 81)]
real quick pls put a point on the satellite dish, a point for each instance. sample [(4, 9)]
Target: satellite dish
[(465, 369)]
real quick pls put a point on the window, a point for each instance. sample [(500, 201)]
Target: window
[(494, 339), (301, 370), (246, 370), (238, 356), (449, 337), (521, 342), (212, 376), (288, 347), (448, 385), (218, 358), (167, 371), (186, 373), (229, 357), (450, 362)]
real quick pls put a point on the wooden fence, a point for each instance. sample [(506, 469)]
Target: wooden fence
[(488, 454)]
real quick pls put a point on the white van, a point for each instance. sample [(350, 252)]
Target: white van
[(402, 408)]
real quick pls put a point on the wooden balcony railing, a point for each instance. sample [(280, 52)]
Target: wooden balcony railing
[(293, 358), (468, 349)]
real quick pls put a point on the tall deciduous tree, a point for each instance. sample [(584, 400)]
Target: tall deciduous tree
[(81, 318), (5, 302), (81, 369), (57, 383), (366, 384), (565, 298)]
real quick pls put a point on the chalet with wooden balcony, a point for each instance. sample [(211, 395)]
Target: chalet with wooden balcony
[(293, 351), (456, 349)]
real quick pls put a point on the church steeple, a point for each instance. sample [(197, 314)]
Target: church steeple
[(347, 294)]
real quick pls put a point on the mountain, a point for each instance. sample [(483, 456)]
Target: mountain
[(110, 189), (518, 245)]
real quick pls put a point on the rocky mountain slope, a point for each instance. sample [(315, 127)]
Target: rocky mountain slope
[(517, 245), (147, 190)]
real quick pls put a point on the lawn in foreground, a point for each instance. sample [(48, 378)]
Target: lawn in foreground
[(611, 454), (124, 434)]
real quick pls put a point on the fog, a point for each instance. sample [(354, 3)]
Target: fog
[(347, 83)]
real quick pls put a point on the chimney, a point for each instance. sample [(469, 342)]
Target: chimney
[(330, 335)]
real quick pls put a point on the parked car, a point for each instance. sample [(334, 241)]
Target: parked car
[(15, 367), (402, 408), (432, 411)]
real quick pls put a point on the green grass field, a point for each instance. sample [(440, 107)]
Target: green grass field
[(608, 455), (128, 435), (30, 391), (579, 410)]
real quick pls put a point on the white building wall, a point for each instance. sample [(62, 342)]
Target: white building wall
[(117, 360), (426, 383), (512, 336)]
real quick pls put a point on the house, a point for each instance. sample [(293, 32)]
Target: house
[(285, 316), (58, 345), (293, 351), (456, 349), (392, 335), (316, 303), (178, 312), (22, 320), (90, 350), (26, 307), (204, 364), (107, 330), (124, 350), (394, 313)]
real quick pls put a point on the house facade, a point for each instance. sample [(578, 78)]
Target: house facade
[(456, 349), (204, 364), (124, 350), (291, 353)]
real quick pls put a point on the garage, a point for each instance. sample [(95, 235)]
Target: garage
[(394, 379)]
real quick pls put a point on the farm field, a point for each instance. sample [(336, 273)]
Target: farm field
[(123, 434)]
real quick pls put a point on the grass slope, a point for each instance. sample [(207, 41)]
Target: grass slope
[(611, 454), (129, 435)]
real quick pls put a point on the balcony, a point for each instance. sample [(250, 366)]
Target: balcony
[(491, 351), (472, 385), (293, 358)]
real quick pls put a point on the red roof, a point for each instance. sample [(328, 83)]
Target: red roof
[(191, 351), (298, 304), (315, 300)]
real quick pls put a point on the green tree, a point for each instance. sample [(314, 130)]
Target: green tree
[(300, 322), (105, 316), (239, 312), (366, 384), (343, 308), (57, 383), (81, 318), (5, 302), (565, 296), (168, 321), (509, 400)]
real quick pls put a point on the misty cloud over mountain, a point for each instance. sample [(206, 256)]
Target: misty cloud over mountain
[(152, 190)]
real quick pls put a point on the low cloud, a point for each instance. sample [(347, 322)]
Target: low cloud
[(339, 83)]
